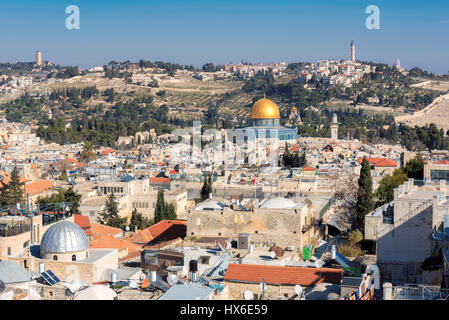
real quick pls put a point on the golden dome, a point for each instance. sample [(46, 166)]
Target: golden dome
[(264, 109)]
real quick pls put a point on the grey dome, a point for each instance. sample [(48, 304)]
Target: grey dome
[(64, 236)]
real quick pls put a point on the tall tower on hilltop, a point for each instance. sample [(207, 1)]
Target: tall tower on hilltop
[(334, 127), (352, 51), (38, 58)]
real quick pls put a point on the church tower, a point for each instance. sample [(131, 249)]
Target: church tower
[(352, 51), (334, 127)]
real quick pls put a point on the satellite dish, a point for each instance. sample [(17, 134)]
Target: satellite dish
[(143, 276), (298, 290), (75, 286), (318, 263), (273, 254), (172, 279), (133, 284), (248, 295), (127, 228)]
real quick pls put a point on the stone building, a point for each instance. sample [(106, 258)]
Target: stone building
[(64, 249), (277, 220), (409, 230)]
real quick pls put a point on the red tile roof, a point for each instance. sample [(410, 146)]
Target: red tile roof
[(107, 151), (159, 180), (111, 242), (282, 275), (164, 230), (380, 162), (308, 168), (83, 222), (101, 230), (37, 187)]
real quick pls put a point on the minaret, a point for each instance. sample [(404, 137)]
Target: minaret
[(352, 51), (334, 127)]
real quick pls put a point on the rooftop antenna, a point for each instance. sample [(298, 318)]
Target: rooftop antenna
[(263, 287)]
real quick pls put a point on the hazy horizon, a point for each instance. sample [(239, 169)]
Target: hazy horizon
[(199, 32)]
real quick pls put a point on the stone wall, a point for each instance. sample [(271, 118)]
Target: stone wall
[(281, 226), (236, 290)]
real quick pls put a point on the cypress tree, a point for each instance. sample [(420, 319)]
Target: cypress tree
[(365, 192), (160, 211), (13, 193), (207, 187)]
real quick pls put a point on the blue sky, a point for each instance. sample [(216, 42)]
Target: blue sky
[(197, 32)]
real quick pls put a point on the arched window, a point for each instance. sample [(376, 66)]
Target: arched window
[(74, 257), (55, 257)]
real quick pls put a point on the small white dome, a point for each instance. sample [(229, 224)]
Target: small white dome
[(277, 203), (62, 237), (96, 292), (210, 205)]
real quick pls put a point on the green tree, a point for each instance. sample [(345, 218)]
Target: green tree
[(207, 187), (13, 193), (109, 215), (170, 211), (159, 211), (354, 237), (365, 193), (138, 221), (385, 192), (70, 195), (414, 168)]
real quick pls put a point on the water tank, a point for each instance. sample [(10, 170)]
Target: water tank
[(193, 266), (41, 267), (153, 276)]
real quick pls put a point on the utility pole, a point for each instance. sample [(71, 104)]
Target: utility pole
[(29, 246)]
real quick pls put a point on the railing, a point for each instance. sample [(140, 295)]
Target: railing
[(420, 292), (9, 231), (50, 212), (387, 219)]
